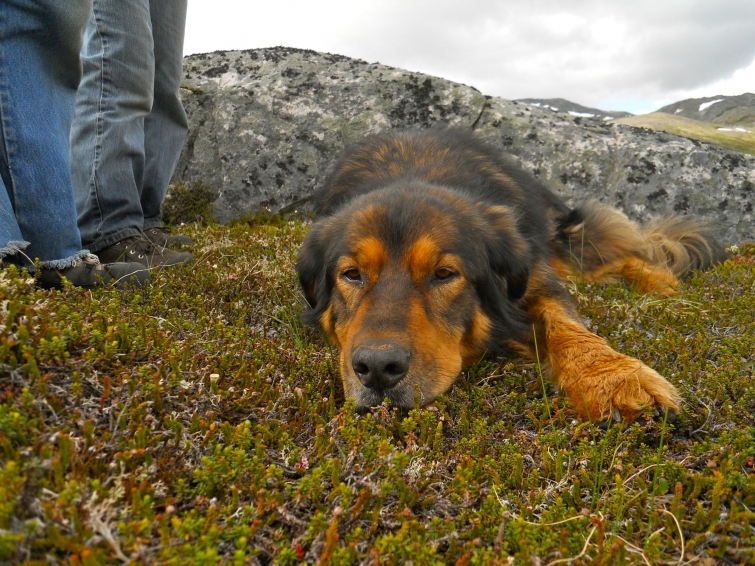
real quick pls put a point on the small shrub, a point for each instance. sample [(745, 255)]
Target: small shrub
[(186, 204)]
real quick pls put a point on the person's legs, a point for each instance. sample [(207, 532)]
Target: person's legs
[(11, 240), (107, 139), (39, 73), (166, 126), (40, 70)]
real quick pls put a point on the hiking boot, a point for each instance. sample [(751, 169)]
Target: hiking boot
[(89, 272), (162, 237), (140, 249)]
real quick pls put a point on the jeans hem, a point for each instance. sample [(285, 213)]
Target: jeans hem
[(12, 248), (67, 262), (152, 223), (107, 241)]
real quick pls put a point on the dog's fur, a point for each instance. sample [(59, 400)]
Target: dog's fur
[(431, 249)]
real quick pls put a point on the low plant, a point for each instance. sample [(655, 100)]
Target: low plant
[(196, 421)]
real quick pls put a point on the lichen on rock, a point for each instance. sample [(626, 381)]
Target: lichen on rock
[(265, 125)]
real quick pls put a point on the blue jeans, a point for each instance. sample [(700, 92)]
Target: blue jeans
[(40, 70), (129, 125)]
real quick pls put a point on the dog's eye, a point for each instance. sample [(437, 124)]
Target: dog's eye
[(352, 275), (443, 273)]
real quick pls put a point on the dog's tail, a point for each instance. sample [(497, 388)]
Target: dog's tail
[(682, 243), (603, 242)]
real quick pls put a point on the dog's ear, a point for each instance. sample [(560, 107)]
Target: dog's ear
[(508, 252), (312, 269), (507, 263)]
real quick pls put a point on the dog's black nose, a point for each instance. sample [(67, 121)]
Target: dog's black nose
[(380, 365)]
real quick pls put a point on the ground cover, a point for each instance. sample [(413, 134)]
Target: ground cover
[(197, 422), (738, 137)]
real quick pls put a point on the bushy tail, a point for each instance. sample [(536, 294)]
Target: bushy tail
[(603, 241), (682, 243)]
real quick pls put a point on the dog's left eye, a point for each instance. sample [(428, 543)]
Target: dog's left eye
[(443, 273), (352, 275)]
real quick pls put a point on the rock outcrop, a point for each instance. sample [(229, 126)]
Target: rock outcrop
[(265, 124)]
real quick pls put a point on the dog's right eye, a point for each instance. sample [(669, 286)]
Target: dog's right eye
[(352, 275), (444, 273)]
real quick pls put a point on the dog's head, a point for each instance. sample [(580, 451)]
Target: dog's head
[(413, 283)]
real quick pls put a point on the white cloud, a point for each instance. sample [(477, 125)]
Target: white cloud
[(616, 55)]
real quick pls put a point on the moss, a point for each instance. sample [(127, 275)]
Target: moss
[(196, 421), (184, 204)]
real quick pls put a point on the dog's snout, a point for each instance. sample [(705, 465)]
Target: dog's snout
[(380, 365)]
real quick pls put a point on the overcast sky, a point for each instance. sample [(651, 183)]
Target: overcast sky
[(634, 55)]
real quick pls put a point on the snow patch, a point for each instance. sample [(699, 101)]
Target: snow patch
[(678, 110), (706, 105), (582, 114), (608, 118), (732, 130)]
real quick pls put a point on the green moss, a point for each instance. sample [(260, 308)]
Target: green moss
[(196, 421), (184, 204)]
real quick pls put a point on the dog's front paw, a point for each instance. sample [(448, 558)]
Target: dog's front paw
[(614, 386)]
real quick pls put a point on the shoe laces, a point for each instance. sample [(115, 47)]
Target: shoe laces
[(161, 230), (143, 246)]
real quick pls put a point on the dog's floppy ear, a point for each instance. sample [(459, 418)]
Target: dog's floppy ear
[(312, 269), (507, 257), (508, 252)]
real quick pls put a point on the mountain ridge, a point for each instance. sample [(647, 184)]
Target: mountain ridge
[(736, 110), (728, 121), (573, 108)]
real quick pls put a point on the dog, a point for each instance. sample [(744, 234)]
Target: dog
[(431, 249)]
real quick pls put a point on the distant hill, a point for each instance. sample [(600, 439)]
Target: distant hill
[(728, 121), (739, 138), (725, 110), (566, 106)]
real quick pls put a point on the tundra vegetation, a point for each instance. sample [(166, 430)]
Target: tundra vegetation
[(736, 137), (196, 421)]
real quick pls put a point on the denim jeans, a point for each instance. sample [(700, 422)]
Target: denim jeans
[(129, 125), (40, 70)]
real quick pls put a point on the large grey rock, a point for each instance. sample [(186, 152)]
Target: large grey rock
[(265, 124), (644, 173)]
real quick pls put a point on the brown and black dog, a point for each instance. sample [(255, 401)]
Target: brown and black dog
[(431, 249)]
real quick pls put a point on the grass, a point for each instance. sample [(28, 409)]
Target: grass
[(702, 131), (197, 422)]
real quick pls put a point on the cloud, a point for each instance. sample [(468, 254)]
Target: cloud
[(589, 51)]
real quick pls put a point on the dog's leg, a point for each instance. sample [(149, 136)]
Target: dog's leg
[(642, 276), (646, 277), (599, 243), (600, 382)]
